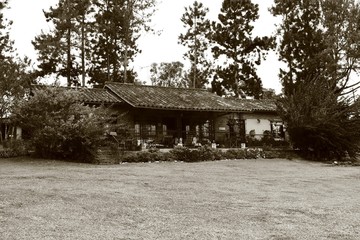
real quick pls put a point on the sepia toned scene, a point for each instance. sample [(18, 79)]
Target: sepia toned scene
[(194, 119)]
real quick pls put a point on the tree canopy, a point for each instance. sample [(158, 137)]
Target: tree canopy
[(318, 36), (168, 75), (196, 39), (92, 39), (319, 42), (232, 35), (13, 74)]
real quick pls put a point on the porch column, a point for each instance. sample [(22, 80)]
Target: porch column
[(179, 126)]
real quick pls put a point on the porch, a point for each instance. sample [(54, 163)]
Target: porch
[(166, 129)]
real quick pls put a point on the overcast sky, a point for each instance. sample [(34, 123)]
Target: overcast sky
[(28, 21)]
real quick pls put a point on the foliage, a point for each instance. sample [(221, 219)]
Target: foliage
[(13, 74), (203, 153), (233, 40), (168, 75), (13, 148), (234, 154), (197, 41), (58, 126), (321, 123), (94, 39), (146, 156), (319, 43), (184, 154), (267, 141), (117, 27), (60, 50), (14, 80), (319, 37)]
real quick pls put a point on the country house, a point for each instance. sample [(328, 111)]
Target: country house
[(165, 116)]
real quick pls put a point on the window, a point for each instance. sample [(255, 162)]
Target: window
[(277, 129), (148, 130)]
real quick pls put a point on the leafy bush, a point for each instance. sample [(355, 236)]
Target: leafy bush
[(57, 126), (253, 153), (146, 156), (184, 154), (286, 154), (192, 155), (235, 154), (321, 122), (17, 147), (8, 153), (266, 141)]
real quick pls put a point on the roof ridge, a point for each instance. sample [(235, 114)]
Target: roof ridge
[(65, 87), (154, 86)]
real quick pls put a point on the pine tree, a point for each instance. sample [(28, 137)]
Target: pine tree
[(232, 36), (197, 41), (116, 29), (59, 51), (320, 45), (302, 40), (318, 37)]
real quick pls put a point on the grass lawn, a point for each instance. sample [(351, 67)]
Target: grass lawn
[(240, 199)]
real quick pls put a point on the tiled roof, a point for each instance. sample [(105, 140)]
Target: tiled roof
[(97, 95), (89, 95), (263, 105), (153, 97)]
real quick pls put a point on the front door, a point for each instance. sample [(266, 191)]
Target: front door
[(236, 132)]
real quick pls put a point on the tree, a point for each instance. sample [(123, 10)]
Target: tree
[(117, 27), (319, 122), (13, 75), (232, 36), (168, 75), (318, 36), (320, 45), (57, 125), (302, 40), (197, 41), (341, 20), (59, 51)]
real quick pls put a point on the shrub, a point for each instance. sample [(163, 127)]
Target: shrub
[(204, 154), (58, 126), (253, 153), (286, 154), (146, 156), (321, 122), (235, 154), (184, 154), (8, 153), (17, 147)]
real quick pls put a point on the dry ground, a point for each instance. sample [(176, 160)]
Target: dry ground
[(242, 199)]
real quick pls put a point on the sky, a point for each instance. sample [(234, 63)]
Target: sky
[(29, 21)]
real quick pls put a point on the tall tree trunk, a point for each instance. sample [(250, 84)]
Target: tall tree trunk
[(127, 23), (68, 50), (107, 49), (129, 14), (83, 49), (196, 52)]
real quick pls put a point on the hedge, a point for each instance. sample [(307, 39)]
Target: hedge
[(191, 155)]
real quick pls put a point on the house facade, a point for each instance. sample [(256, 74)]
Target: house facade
[(165, 116)]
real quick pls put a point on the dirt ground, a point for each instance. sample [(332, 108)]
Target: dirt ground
[(239, 199)]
